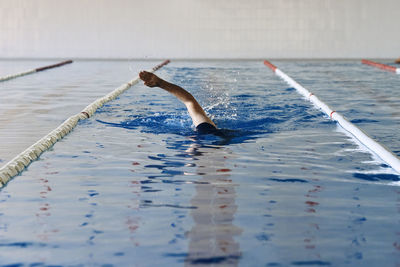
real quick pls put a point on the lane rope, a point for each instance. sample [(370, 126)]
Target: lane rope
[(12, 76), (373, 146), (21, 161), (381, 66)]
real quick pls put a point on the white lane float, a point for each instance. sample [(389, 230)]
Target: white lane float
[(373, 146), (20, 162), (13, 76)]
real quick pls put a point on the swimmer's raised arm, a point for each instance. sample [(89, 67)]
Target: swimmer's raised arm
[(196, 112)]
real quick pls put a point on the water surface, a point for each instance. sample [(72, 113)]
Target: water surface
[(135, 186)]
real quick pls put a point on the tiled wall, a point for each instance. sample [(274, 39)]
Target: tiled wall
[(200, 28)]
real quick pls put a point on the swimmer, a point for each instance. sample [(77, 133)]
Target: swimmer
[(204, 125)]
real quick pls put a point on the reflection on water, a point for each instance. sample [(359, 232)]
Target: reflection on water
[(312, 204), (396, 234), (132, 220), (211, 239)]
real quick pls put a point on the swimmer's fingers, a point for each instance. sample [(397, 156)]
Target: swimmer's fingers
[(143, 75), (149, 78), (146, 78)]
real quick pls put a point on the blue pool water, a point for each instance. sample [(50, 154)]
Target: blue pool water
[(135, 186)]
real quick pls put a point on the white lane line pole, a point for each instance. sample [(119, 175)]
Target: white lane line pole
[(373, 146), (12, 76), (20, 162)]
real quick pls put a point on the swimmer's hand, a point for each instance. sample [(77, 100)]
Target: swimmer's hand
[(150, 79)]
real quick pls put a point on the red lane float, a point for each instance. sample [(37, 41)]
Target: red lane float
[(54, 65), (373, 146), (162, 64), (270, 65), (381, 66)]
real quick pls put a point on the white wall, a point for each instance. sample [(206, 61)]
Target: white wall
[(199, 28)]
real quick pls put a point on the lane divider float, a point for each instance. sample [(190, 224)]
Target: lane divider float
[(373, 146), (12, 76), (21, 161), (381, 66)]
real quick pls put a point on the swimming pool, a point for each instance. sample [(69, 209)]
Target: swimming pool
[(134, 186)]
